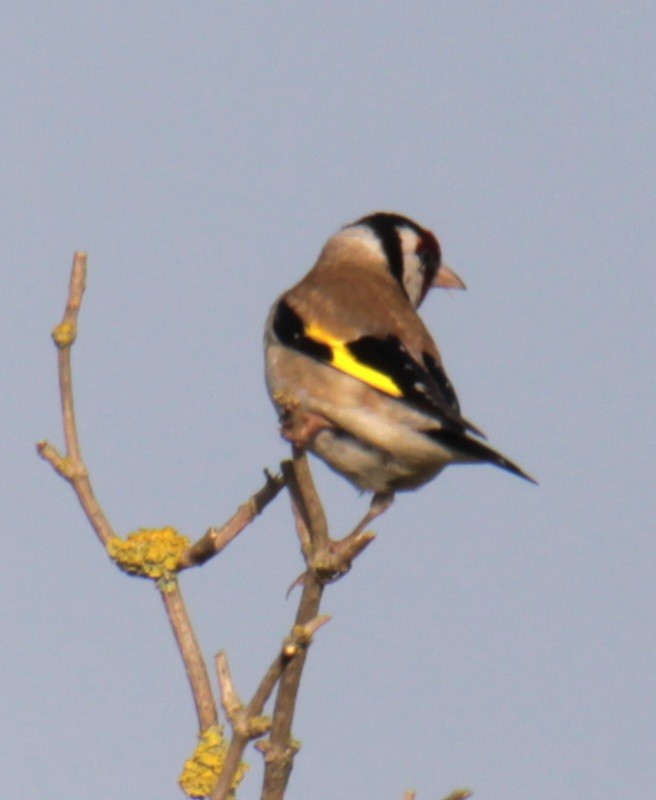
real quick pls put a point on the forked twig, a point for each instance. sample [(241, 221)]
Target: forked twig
[(247, 722), (326, 560), (71, 466), (73, 469)]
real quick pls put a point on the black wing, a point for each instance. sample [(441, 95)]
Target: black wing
[(383, 363)]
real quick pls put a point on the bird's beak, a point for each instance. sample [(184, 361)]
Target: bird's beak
[(446, 278)]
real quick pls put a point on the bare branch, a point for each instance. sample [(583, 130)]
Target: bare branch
[(73, 469), (230, 701), (247, 723), (216, 539), (326, 561), (281, 749), (305, 500), (71, 466), (192, 657)]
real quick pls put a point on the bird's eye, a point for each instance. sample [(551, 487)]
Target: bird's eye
[(427, 259), (428, 254)]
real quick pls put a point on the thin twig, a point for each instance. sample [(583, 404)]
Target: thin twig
[(301, 518), (326, 560), (317, 547), (71, 466), (215, 539), (306, 498), (73, 469), (280, 752), (230, 701), (239, 719), (192, 657), (247, 723), (312, 529)]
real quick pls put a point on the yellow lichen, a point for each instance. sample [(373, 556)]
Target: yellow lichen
[(150, 553), (202, 770), (68, 470), (64, 334)]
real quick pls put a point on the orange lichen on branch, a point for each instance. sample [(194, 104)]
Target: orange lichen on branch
[(64, 334), (150, 553), (203, 769)]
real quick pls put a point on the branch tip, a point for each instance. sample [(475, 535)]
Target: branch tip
[(216, 539), (230, 701)]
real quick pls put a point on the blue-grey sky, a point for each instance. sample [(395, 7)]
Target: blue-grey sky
[(496, 635)]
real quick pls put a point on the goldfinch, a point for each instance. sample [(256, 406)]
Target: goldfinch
[(352, 370)]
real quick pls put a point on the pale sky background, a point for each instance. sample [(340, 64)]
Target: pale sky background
[(496, 635)]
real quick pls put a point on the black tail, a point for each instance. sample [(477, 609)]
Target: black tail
[(476, 450)]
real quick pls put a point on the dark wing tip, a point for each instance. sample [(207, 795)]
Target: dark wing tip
[(478, 451), (509, 466)]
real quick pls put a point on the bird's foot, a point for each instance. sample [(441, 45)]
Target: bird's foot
[(299, 427), (380, 502)]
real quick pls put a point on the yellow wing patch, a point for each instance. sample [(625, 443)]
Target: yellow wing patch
[(343, 360)]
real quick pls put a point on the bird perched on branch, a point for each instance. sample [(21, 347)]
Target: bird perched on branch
[(354, 373)]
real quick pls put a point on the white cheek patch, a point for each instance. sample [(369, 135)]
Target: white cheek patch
[(413, 279), (413, 268)]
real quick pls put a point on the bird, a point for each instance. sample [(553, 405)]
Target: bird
[(355, 375)]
